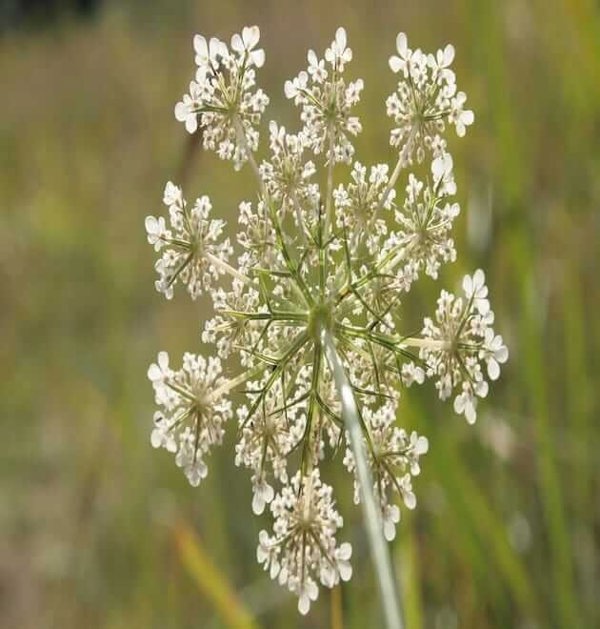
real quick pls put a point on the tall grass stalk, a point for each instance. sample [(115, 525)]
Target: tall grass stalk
[(566, 611)]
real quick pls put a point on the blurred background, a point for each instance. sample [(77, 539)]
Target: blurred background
[(99, 530)]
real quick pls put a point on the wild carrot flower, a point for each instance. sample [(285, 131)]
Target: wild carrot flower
[(425, 100), (308, 296), (191, 251), (303, 548), (195, 410), (222, 100)]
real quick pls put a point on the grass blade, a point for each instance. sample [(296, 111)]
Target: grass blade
[(210, 580)]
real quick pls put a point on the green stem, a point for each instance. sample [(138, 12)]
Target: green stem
[(241, 137), (228, 385), (227, 268), (329, 192), (388, 589), (400, 164), (400, 343), (266, 199), (272, 315)]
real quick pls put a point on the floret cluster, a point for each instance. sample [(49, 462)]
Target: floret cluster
[(328, 243)]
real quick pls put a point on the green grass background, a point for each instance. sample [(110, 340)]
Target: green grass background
[(99, 530)]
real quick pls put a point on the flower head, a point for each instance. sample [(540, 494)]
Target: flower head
[(302, 550), (394, 458), (194, 410), (192, 251), (425, 100), (326, 101), (462, 338), (266, 441), (287, 175), (322, 262), (358, 203), (222, 100)]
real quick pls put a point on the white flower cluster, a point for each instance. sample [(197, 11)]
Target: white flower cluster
[(326, 100), (303, 548), (465, 339), (326, 250), (220, 101), (195, 410), (425, 224), (287, 175), (425, 100), (358, 202), (266, 440), (191, 251)]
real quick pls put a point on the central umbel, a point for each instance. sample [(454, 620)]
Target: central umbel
[(320, 318)]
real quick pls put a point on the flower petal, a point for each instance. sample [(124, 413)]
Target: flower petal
[(402, 44), (395, 63), (250, 36)]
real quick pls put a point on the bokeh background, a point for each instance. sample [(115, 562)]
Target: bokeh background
[(99, 530)]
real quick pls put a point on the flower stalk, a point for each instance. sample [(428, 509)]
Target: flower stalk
[(388, 586)]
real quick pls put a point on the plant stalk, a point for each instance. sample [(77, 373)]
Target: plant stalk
[(388, 589)]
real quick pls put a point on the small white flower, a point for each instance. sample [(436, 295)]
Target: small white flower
[(412, 373), (172, 195), (186, 110), (157, 231), (246, 43), (476, 290), (462, 118), (342, 557), (420, 445), (441, 62), (391, 517), (262, 495), (338, 54), (316, 67), (161, 436), (399, 63), (295, 87), (494, 352), (466, 404), (208, 52), (443, 176), (160, 370), (307, 592)]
